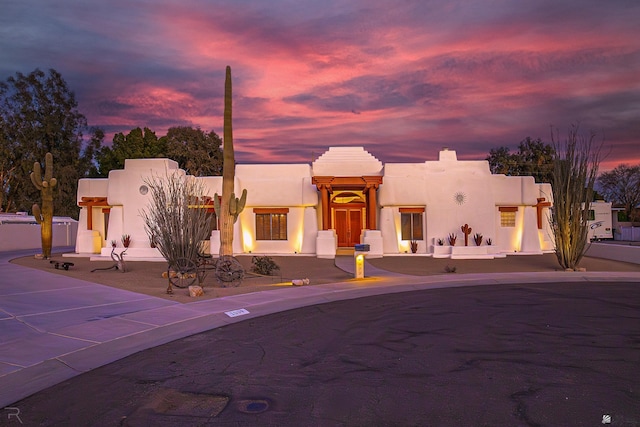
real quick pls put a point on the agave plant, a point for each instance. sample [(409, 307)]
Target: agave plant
[(452, 239)]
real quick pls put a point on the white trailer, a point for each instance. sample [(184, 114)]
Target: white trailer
[(600, 224)]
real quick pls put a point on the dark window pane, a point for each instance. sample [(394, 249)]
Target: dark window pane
[(417, 227), (411, 226), (271, 226), (405, 225), (260, 226)]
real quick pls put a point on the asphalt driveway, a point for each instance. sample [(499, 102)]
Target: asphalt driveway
[(552, 354)]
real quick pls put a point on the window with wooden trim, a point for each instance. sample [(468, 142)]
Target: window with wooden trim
[(411, 220), (508, 216), (507, 219), (271, 224)]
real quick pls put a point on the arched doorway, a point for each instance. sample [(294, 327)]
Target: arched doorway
[(348, 209)]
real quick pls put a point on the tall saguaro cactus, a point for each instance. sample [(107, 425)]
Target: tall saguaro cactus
[(228, 207), (44, 216)]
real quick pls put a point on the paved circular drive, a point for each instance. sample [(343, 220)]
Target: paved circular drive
[(537, 355)]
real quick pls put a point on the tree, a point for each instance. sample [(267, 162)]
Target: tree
[(575, 168), (137, 144), (39, 114), (536, 159), (501, 161), (8, 167), (622, 186), (533, 158), (197, 152)]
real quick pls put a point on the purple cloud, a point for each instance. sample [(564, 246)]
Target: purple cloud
[(401, 78)]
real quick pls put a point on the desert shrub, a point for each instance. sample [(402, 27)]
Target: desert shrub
[(263, 265), (173, 219)]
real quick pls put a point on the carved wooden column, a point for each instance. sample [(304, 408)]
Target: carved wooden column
[(371, 188), (539, 206), (90, 203), (323, 183)]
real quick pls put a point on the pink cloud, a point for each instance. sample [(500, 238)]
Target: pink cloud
[(399, 80)]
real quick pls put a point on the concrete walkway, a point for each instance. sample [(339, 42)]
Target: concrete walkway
[(53, 327)]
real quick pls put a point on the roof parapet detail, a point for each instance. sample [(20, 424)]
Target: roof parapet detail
[(347, 161), (447, 155)]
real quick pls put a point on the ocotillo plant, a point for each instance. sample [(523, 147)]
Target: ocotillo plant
[(228, 207), (466, 230), (44, 217)]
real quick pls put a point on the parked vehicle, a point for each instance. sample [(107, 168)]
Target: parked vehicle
[(600, 224)]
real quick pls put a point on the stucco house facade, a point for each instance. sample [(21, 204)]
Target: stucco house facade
[(345, 197)]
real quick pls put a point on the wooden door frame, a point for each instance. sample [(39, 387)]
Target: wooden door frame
[(326, 185)]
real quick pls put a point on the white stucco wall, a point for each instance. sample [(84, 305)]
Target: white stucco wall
[(126, 198), (93, 187), (403, 184), (297, 234), (506, 190), (277, 185), (452, 193)]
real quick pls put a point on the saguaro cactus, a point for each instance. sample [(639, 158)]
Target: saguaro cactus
[(44, 216), (228, 270), (228, 207), (466, 230)]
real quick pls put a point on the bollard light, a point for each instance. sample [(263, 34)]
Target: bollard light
[(360, 266)]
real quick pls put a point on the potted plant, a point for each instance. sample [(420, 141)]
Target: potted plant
[(489, 241), (452, 239), (414, 246), (477, 238), (440, 242)]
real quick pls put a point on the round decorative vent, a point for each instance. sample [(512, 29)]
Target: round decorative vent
[(143, 189), (460, 197)]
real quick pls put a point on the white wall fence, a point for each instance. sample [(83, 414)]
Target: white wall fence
[(25, 234), (615, 252), (630, 234)]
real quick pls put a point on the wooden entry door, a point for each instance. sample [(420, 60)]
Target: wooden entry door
[(348, 226)]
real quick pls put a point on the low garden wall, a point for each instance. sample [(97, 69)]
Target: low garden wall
[(26, 235), (615, 252)]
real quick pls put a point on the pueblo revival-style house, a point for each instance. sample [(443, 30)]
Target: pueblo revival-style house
[(447, 208)]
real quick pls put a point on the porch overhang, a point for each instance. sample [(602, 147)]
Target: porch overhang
[(367, 184)]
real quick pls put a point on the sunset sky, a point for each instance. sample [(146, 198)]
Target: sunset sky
[(403, 78)]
